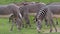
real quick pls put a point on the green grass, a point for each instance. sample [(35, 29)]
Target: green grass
[(5, 27), (11, 1)]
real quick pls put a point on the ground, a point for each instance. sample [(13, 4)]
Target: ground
[(5, 28)]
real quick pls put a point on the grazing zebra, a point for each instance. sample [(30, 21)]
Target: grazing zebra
[(14, 9), (30, 8), (14, 21), (55, 12), (45, 12)]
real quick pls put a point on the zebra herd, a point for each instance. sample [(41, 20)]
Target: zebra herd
[(21, 11)]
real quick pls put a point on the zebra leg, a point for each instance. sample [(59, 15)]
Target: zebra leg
[(54, 25), (10, 19), (22, 24), (50, 23), (46, 22), (50, 27), (27, 22), (39, 26), (12, 26), (56, 21), (18, 23), (18, 27)]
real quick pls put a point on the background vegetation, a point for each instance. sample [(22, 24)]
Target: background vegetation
[(11, 1)]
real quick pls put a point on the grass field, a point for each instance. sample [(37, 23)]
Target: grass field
[(5, 26)]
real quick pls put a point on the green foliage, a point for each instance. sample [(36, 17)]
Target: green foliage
[(11, 1)]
